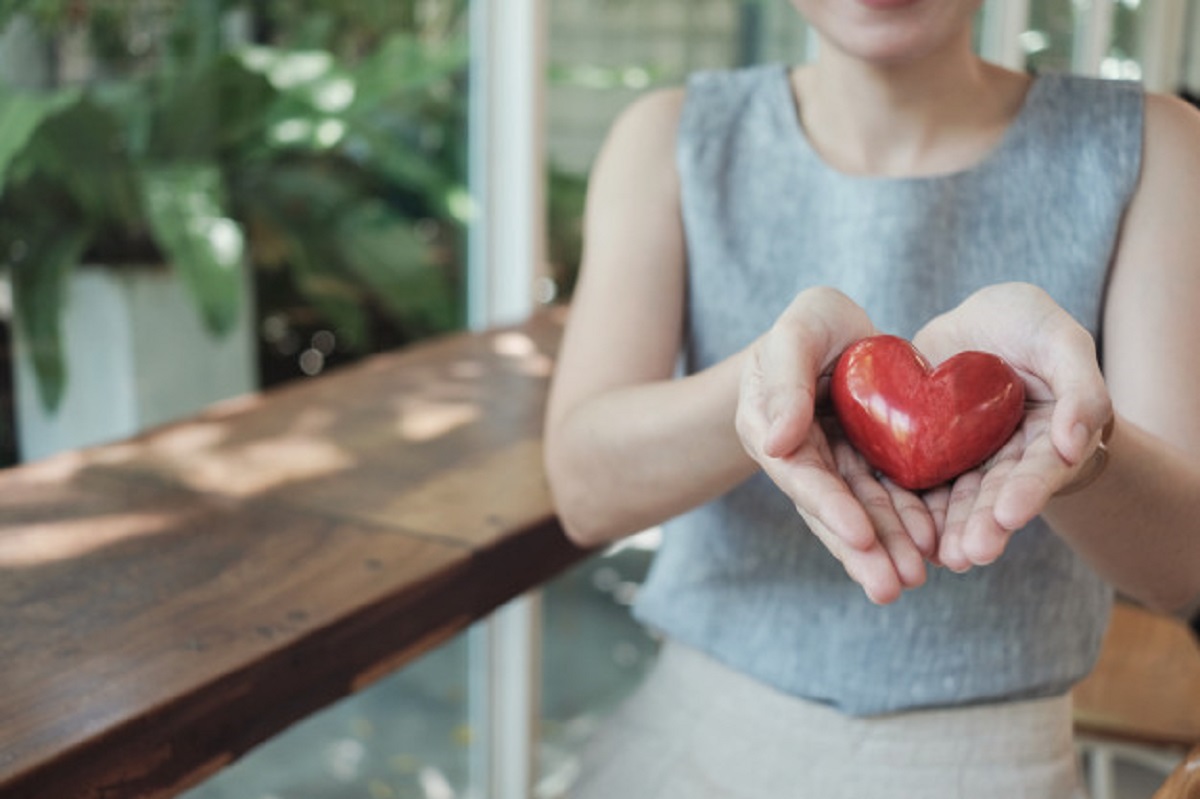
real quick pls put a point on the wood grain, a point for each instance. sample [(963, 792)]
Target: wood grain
[(169, 602), (1145, 687), (1184, 782)]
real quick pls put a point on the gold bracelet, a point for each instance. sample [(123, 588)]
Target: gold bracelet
[(1095, 465)]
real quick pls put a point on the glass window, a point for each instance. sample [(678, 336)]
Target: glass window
[(405, 737), (1049, 41)]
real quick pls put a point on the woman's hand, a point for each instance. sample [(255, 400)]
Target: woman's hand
[(880, 532), (1067, 407)]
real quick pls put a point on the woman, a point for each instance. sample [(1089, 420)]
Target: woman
[(756, 224)]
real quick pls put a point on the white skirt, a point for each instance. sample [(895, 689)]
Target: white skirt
[(696, 729)]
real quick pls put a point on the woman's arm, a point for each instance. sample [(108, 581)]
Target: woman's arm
[(628, 446), (1139, 523)]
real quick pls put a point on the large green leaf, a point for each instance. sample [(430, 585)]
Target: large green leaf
[(209, 112), (50, 249), (21, 114), (386, 253), (82, 150), (185, 208), (402, 164), (405, 63)]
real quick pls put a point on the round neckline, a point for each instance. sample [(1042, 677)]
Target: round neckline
[(803, 144)]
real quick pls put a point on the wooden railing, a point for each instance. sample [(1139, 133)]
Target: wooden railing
[(168, 602)]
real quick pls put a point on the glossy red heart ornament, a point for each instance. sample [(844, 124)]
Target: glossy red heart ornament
[(918, 425)]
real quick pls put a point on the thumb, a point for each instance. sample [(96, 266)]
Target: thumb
[(1082, 407), (803, 345), (789, 423)]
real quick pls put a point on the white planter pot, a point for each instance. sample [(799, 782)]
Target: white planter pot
[(137, 355)]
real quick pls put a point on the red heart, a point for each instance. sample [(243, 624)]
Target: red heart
[(922, 426)]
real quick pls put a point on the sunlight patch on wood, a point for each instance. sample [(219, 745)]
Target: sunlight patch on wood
[(51, 541), (424, 420)]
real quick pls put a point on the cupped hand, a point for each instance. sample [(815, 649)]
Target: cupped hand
[(880, 532), (1067, 407)]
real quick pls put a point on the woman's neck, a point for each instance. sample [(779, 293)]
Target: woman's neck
[(939, 114)]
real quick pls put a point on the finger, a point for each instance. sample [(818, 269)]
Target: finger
[(1031, 483), (1081, 402), (803, 344), (1079, 417), (937, 501), (960, 501), (789, 423), (983, 537), (777, 383), (884, 515), (1019, 464), (917, 516), (788, 364), (767, 427), (871, 568), (820, 493)]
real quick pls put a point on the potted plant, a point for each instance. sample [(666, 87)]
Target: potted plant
[(124, 175), (209, 158)]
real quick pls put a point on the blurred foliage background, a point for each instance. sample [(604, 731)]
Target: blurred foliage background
[(332, 133), (326, 138)]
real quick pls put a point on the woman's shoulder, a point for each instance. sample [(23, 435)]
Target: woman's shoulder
[(1170, 174), (651, 110), (1171, 122), (706, 100), (645, 131)]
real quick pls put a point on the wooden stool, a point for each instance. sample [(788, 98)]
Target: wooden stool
[(1142, 701), (1184, 783)]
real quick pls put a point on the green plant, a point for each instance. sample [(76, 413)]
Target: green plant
[(566, 195), (360, 191), (346, 174), (123, 172)]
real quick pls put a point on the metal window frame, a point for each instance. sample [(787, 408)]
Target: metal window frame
[(1162, 45), (506, 140), (1003, 23), (505, 256), (1093, 36)]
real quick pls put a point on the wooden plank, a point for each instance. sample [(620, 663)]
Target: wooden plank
[(398, 417), (1146, 684), (1184, 782), (168, 603), (131, 664)]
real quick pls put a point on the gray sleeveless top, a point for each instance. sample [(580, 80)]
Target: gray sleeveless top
[(741, 578)]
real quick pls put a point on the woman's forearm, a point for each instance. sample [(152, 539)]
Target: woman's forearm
[(1138, 524), (634, 456)]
